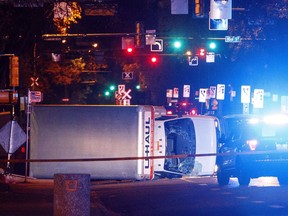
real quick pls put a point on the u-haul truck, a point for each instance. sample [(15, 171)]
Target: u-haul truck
[(117, 142)]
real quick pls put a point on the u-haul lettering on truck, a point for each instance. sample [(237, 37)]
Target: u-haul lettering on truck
[(148, 142), (147, 138)]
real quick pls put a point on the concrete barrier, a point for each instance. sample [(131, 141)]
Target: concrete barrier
[(71, 195)]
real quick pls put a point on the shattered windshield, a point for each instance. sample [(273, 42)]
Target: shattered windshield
[(181, 140)]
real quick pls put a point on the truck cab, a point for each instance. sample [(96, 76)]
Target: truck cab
[(186, 144)]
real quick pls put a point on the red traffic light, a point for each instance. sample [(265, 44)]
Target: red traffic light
[(154, 59), (130, 50)]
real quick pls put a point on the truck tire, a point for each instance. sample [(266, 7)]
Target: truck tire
[(222, 178), (244, 179)]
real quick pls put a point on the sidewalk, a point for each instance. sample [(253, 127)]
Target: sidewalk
[(34, 197)]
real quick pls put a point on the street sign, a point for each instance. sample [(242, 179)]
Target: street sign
[(193, 61), (210, 57), (218, 24), (150, 37), (34, 81), (127, 75), (176, 93), (157, 46), (121, 89), (220, 92), (220, 9), (212, 91), (245, 94), (202, 95), (126, 95), (186, 91), (169, 93), (12, 136), (246, 108), (35, 96), (232, 39), (258, 98)]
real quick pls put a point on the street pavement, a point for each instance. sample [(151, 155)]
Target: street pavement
[(185, 196)]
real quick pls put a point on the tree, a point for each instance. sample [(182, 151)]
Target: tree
[(65, 73)]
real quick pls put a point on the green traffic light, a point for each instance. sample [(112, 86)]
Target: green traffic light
[(177, 44), (137, 87), (107, 93), (112, 87), (212, 45)]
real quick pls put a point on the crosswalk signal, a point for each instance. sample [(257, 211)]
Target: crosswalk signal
[(14, 71), (202, 52), (199, 8)]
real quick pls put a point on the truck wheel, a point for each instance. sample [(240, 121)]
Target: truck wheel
[(244, 179), (283, 179), (222, 178)]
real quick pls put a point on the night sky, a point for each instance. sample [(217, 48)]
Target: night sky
[(259, 60)]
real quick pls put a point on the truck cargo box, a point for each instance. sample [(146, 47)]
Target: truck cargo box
[(83, 132)]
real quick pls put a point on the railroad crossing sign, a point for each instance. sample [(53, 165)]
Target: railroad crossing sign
[(127, 75), (122, 96), (34, 81), (126, 95)]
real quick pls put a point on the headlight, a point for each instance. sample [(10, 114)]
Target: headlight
[(276, 119), (252, 144)]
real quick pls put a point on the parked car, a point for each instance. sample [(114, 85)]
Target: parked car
[(255, 147)]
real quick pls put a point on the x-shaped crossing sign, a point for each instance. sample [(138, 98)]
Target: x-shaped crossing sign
[(126, 95)]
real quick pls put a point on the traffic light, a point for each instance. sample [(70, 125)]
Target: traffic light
[(112, 87), (154, 59), (110, 90), (128, 45), (130, 50), (177, 44), (14, 71), (212, 45)]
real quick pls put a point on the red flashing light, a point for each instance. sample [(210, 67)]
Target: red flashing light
[(184, 104)]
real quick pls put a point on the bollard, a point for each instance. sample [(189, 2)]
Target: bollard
[(71, 194)]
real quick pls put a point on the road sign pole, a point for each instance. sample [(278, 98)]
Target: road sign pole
[(27, 133)]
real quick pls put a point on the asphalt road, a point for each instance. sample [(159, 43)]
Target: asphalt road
[(186, 196)]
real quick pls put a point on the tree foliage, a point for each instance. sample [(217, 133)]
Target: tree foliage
[(66, 14)]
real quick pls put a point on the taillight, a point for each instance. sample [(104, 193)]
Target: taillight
[(252, 144), (23, 149), (193, 112)]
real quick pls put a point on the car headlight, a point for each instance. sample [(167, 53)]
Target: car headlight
[(252, 144)]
